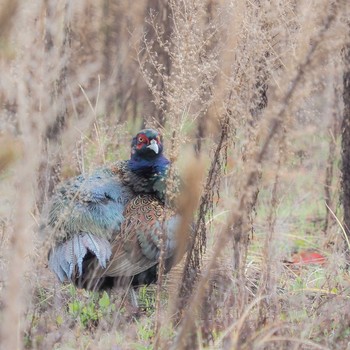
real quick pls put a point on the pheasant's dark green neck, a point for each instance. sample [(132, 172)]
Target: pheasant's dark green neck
[(149, 174), (148, 167), (149, 180)]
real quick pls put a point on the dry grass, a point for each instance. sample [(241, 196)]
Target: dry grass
[(251, 88)]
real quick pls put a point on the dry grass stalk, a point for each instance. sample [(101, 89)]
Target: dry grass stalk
[(268, 306), (187, 204), (346, 139), (329, 176), (21, 242), (197, 244)]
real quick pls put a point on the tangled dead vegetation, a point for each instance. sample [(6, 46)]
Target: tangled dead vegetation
[(248, 97)]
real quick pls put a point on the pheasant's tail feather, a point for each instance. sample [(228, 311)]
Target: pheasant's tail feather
[(125, 263), (126, 260), (65, 257)]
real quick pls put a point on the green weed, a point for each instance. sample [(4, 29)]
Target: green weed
[(88, 311)]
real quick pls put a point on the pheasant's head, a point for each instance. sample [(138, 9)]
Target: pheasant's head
[(148, 162), (146, 145)]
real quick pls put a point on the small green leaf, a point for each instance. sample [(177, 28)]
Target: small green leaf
[(104, 302), (74, 307), (59, 320)]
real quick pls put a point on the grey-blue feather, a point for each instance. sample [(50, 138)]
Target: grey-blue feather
[(92, 204)]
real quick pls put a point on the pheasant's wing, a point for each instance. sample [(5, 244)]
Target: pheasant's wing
[(93, 204), (137, 247), (83, 216)]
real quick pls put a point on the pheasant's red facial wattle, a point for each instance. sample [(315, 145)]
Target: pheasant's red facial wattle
[(142, 140)]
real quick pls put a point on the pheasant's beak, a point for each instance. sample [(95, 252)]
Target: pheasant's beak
[(154, 146)]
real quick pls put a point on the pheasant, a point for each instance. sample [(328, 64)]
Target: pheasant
[(106, 227)]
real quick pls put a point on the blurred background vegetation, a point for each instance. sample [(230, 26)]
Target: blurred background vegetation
[(256, 90)]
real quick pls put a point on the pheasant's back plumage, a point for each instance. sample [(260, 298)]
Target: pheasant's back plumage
[(136, 248), (146, 222), (110, 223)]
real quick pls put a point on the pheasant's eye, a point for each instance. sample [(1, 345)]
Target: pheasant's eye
[(140, 139)]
